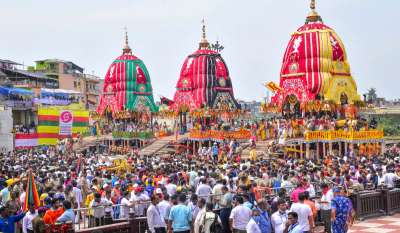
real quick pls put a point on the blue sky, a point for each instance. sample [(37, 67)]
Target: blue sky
[(163, 32)]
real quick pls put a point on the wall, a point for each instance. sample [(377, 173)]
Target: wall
[(66, 81)]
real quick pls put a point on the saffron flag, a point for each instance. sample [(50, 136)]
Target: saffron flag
[(273, 87), (31, 196)]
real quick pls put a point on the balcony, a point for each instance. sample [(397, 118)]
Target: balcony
[(19, 104)]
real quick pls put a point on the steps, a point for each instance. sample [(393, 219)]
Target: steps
[(261, 149)]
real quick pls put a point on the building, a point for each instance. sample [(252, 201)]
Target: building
[(253, 107), (13, 73), (72, 77)]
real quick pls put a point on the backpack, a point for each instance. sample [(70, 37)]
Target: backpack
[(215, 227)]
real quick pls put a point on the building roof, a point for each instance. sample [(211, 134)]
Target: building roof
[(9, 62), (14, 90), (73, 65), (37, 75)]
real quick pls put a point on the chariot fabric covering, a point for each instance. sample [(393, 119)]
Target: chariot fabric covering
[(127, 86), (204, 81), (315, 65)]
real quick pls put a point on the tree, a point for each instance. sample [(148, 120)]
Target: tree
[(371, 95)]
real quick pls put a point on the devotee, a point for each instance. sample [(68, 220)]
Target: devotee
[(292, 225), (280, 217), (325, 205), (180, 217), (342, 210), (304, 213), (7, 221), (38, 224), (239, 216), (155, 220), (27, 226), (68, 215)]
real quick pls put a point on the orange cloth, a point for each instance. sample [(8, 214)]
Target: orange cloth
[(51, 216), (311, 204)]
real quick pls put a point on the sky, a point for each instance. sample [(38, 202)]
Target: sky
[(162, 33)]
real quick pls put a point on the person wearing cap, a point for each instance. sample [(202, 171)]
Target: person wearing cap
[(342, 210), (38, 224), (7, 221), (139, 199)]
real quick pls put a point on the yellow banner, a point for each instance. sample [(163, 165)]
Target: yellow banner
[(344, 135), (220, 135)]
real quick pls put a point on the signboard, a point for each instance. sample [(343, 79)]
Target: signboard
[(66, 119)]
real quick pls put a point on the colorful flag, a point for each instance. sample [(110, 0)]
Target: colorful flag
[(273, 87), (32, 195)]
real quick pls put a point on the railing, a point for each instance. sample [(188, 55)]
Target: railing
[(375, 203), (366, 204), (19, 103)]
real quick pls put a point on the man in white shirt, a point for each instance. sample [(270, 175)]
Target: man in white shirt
[(139, 198), (98, 204), (27, 220), (325, 206), (305, 215), (171, 188), (293, 225), (217, 191), (252, 226), (164, 206), (155, 220), (239, 217), (203, 190), (125, 205), (280, 217), (389, 178)]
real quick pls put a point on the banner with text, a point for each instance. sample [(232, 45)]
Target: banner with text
[(66, 119)]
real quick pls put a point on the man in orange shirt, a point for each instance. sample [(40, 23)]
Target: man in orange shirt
[(51, 215), (311, 204)]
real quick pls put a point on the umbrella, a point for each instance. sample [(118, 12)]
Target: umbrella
[(31, 195)]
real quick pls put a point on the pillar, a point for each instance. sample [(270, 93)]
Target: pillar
[(340, 148), (194, 148), (317, 151), (345, 148), (301, 150), (383, 149), (308, 156), (330, 148), (324, 149)]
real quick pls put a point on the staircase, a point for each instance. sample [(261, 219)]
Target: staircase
[(261, 149), (158, 145)]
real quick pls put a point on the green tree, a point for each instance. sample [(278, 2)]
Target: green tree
[(371, 95)]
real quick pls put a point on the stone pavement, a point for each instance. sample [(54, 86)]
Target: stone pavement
[(385, 224)]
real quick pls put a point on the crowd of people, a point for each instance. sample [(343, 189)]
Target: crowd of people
[(186, 193)]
